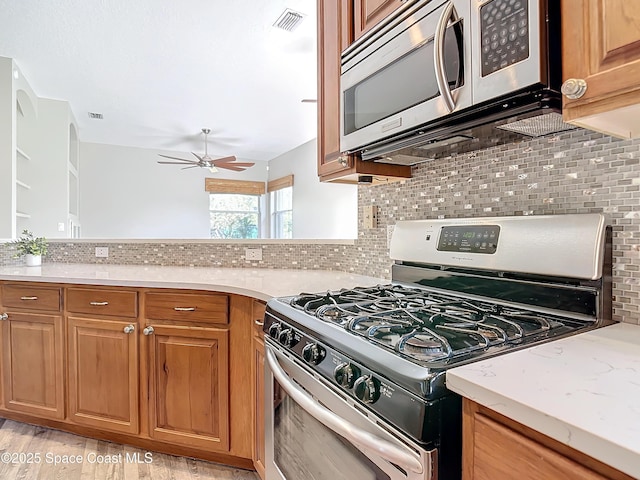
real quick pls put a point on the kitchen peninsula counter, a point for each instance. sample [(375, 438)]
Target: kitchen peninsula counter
[(260, 283), (582, 391)]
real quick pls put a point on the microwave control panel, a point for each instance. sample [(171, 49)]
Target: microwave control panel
[(504, 26), (469, 239)]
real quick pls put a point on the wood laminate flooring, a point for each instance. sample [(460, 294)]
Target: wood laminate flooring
[(28, 452)]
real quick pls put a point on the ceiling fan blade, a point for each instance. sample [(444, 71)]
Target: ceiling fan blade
[(231, 166), (176, 158), (198, 156), (240, 164), (178, 163), (190, 166), (230, 158)]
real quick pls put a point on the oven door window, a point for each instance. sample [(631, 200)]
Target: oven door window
[(404, 83), (306, 449)]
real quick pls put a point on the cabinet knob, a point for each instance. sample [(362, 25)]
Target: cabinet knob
[(4, 316), (343, 160), (574, 88), (129, 328), (148, 330)]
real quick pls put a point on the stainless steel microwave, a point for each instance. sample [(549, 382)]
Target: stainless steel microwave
[(436, 71)]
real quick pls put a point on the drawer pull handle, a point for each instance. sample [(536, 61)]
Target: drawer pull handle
[(129, 328), (99, 304), (4, 316), (148, 330), (259, 322), (28, 298), (184, 309)]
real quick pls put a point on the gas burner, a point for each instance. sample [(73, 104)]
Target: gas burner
[(422, 344)]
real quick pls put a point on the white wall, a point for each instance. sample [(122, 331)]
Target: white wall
[(7, 149), (48, 177), (125, 193), (320, 210)]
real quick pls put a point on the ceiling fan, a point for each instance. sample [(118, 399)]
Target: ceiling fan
[(205, 161)]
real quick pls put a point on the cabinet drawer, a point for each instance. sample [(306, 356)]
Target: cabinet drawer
[(190, 307), (31, 297), (102, 302)]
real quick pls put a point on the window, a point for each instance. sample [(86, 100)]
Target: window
[(234, 208), (282, 213), (281, 207), (234, 216)]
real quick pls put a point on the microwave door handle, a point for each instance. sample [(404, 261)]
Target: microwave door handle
[(449, 13), (339, 425)]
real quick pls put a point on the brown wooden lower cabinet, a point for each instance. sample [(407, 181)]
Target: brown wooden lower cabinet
[(189, 386), (33, 368), (497, 448), (103, 373), (163, 369), (258, 389)]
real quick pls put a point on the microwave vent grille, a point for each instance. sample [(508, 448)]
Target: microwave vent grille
[(538, 126)]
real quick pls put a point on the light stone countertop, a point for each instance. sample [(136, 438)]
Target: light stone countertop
[(583, 391), (261, 283)]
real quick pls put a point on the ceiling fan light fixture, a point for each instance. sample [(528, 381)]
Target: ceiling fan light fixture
[(213, 169)]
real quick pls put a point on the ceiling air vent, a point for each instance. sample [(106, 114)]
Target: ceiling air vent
[(95, 116), (289, 20)]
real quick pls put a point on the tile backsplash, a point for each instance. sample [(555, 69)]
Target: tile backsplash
[(315, 256), (574, 172)]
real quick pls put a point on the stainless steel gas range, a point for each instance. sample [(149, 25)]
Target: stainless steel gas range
[(355, 379)]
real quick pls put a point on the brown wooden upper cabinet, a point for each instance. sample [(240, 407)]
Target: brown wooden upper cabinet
[(601, 65), (368, 13), (335, 33)]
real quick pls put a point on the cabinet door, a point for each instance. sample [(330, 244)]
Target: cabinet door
[(369, 13), (33, 364), (103, 374), (493, 450), (259, 446), (189, 386), (335, 32), (601, 45), (258, 388)]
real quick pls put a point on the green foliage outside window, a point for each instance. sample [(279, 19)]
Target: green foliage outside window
[(234, 215)]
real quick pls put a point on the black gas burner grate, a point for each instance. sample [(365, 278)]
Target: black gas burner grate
[(421, 324)]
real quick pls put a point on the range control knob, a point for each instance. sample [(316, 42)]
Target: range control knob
[(274, 330), (367, 389), (287, 338), (345, 374), (313, 353)]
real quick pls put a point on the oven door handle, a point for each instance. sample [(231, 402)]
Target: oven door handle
[(361, 438), (449, 13)]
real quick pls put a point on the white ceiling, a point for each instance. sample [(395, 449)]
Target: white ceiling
[(161, 70)]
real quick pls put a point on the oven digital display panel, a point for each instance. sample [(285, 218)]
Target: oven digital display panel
[(469, 239)]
